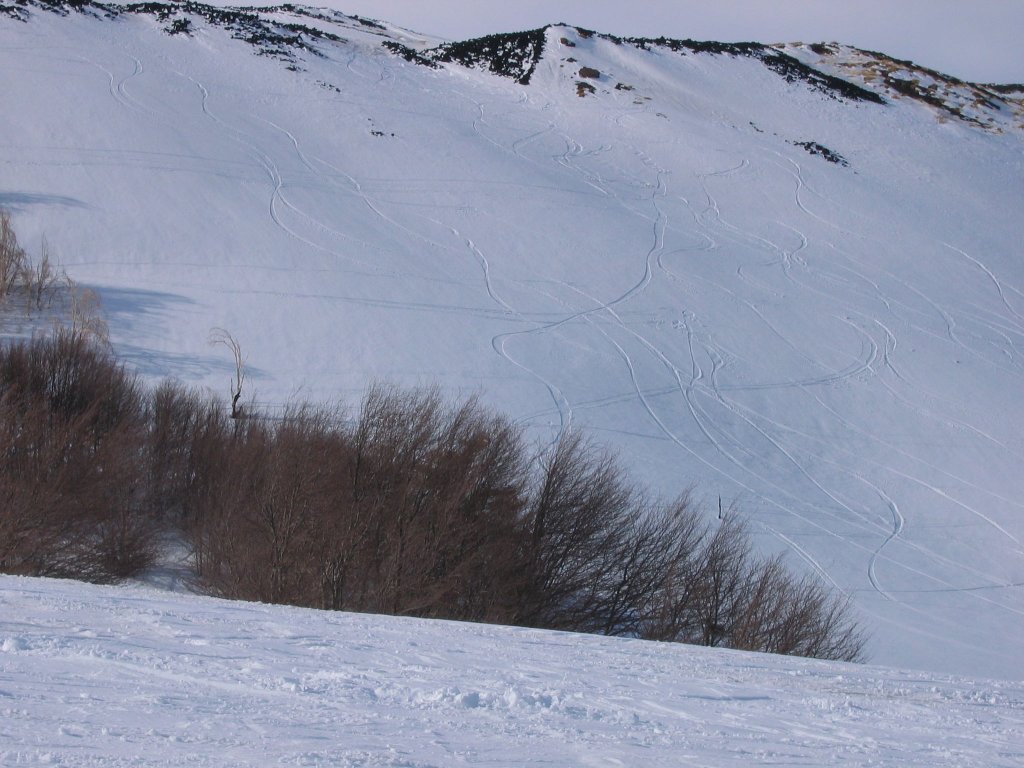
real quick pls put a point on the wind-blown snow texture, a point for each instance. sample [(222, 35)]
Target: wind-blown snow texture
[(662, 253), (101, 676)]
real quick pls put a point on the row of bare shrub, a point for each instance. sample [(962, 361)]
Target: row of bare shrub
[(411, 505), (415, 506)]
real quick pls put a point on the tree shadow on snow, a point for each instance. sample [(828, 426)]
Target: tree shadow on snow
[(153, 314)]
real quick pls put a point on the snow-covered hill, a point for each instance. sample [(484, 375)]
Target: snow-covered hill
[(801, 293), (101, 676)]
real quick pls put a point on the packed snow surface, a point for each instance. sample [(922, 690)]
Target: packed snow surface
[(108, 676), (656, 249)]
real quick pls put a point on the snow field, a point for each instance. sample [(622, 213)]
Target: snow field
[(119, 676)]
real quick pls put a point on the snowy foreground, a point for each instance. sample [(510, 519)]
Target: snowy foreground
[(111, 676)]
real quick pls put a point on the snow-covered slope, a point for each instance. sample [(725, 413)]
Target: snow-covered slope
[(93, 676), (741, 274)]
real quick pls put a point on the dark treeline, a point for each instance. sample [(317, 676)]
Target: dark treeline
[(412, 505)]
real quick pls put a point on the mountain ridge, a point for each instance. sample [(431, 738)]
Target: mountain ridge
[(255, 24), (837, 71)]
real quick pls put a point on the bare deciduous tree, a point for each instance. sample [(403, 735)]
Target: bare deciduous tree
[(41, 279), (576, 529), (219, 336), (72, 500), (12, 256), (85, 312)]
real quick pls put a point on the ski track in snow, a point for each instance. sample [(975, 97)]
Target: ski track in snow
[(890, 344), (273, 173), (898, 520), (995, 282)]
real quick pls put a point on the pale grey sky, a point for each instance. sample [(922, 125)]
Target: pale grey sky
[(979, 40)]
